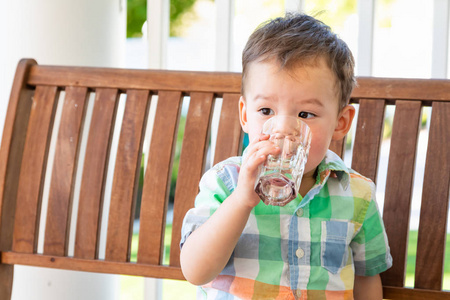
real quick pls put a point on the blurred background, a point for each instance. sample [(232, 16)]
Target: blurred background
[(389, 38)]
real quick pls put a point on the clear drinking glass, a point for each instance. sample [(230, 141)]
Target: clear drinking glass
[(279, 178)]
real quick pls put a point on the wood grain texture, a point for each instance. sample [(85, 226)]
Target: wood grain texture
[(229, 134), (155, 194), (399, 186), (367, 144), (424, 90), (222, 82), (435, 197), (63, 174), (124, 79), (193, 154), (6, 280), (94, 173), (88, 265), (12, 145), (32, 172), (399, 293), (126, 176)]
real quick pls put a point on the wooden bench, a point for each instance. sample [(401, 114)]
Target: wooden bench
[(28, 133)]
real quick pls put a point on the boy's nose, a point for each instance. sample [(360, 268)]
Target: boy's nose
[(285, 126)]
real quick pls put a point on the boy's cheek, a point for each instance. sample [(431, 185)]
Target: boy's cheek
[(310, 165), (315, 156)]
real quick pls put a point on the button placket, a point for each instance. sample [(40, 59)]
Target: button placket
[(299, 250)]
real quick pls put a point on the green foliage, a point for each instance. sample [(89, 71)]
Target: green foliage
[(178, 9), (137, 15), (137, 211), (176, 159), (424, 120), (388, 122)]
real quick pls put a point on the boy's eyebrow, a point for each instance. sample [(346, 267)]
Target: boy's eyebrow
[(314, 101), (263, 97)]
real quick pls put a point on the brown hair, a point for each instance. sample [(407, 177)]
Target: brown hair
[(301, 39)]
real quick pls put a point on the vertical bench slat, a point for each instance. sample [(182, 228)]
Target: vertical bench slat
[(12, 145), (94, 173), (399, 184), (229, 133), (338, 147), (191, 164), (126, 176), (63, 173), (369, 130), (32, 172), (434, 208), (157, 178)]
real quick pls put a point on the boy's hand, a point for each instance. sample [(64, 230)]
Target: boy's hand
[(209, 248), (256, 155)]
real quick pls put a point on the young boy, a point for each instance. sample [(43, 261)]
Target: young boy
[(329, 242)]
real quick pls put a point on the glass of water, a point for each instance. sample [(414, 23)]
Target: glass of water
[(279, 178)]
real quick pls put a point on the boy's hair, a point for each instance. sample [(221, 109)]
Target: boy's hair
[(301, 39)]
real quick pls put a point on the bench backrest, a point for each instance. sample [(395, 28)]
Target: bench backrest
[(63, 147)]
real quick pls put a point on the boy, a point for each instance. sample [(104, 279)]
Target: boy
[(329, 242)]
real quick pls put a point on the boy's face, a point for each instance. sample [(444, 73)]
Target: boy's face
[(308, 92)]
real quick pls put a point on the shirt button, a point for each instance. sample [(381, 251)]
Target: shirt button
[(300, 212), (300, 253), (299, 293)]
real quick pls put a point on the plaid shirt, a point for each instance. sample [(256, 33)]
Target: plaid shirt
[(309, 249)]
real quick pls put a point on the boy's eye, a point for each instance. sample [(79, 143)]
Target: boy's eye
[(266, 111), (306, 115)]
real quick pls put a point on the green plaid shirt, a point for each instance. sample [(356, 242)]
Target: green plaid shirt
[(309, 249)]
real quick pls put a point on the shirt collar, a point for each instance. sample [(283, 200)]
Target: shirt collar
[(332, 165)]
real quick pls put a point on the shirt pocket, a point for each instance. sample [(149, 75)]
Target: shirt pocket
[(335, 242)]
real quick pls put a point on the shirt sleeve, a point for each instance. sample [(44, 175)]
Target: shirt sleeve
[(215, 186), (371, 252)]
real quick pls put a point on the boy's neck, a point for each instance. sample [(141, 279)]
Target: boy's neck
[(308, 181)]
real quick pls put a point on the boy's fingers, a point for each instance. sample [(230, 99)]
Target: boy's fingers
[(263, 144), (259, 138), (251, 166), (262, 149), (260, 153)]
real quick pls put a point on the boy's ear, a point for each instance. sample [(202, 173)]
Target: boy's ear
[(344, 122), (243, 114)]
